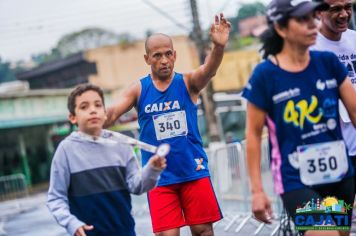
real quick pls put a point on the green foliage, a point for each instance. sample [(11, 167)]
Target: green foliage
[(81, 41), (6, 73), (251, 9), (245, 11), (237, 42), (41, 58), (234, 25), (247, 41), (87, 39)]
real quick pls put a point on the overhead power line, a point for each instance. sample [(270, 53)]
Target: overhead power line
[(165, 15), (27, 39), (15, 23)]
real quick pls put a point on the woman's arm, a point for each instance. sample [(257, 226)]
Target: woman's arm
[(261, 205)]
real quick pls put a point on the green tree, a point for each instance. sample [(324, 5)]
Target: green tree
[(81, 41), (87, 39), (234, 25), (6, 73), (41, 58), (245, 11), (251, 9)]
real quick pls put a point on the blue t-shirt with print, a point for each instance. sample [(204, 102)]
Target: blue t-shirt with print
[(301, 108)]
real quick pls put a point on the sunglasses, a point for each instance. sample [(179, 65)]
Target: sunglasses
[(339, 8)]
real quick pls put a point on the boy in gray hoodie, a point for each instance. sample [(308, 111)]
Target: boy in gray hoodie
[(92, 177)]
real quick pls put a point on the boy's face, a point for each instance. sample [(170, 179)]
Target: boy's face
[(90, 113)]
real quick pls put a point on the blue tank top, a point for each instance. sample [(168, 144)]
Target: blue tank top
[(171, 117)]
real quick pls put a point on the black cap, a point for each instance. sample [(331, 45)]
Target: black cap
[(279, 9)]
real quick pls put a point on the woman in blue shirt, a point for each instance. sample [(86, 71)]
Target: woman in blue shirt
[(295, 93)]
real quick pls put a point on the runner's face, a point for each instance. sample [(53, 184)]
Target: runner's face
[(337, 18), (301, 31), (89, 113), (161, 58)]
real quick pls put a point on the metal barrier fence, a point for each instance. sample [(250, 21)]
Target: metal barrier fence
[(13, 186), (228, 169)]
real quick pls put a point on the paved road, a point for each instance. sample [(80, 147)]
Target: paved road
[(30, 217)]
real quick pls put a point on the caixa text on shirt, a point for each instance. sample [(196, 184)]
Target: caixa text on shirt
[(162, 106)]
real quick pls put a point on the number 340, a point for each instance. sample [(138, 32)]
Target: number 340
[(322, 164), (169, 126)]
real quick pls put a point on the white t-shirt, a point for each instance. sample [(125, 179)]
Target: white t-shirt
[(345, 49)]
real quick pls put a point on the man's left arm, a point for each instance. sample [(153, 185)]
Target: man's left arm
[(219, 34), (347, 95)]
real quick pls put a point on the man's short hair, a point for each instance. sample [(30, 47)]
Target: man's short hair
[(79, 90), (155, 35)]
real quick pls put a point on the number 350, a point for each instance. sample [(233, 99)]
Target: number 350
[(322, 164)]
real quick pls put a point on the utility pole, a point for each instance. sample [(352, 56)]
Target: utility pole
[(207, 93)]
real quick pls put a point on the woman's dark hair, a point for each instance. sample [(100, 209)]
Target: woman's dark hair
[(272, 42), (79, 90)]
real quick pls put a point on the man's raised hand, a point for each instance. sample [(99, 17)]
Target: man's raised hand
[(220, 30)]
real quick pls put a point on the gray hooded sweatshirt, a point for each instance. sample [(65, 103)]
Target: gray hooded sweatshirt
[(91, 181)]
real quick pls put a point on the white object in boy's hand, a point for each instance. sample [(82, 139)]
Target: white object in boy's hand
[(162, 150)]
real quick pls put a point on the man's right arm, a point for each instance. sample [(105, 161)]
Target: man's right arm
[(127, 100)]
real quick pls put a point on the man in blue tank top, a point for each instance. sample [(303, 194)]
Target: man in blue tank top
[(166, 103)]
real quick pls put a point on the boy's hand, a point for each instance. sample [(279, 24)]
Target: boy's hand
[(81, 230), (157, 162)]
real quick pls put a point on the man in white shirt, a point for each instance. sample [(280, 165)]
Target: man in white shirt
[(335, 36)]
